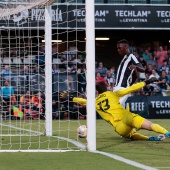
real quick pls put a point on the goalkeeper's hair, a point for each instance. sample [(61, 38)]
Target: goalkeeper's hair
[(101, 87)]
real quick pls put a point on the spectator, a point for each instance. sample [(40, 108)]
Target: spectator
[(55, 69), (26, 104), (149, 50), (37, 83), (142, 61), (74, 68), (168, 56), (113, 73), (73, 50), (7, 74), (154, 53), (102, 70), (7, 92), (146, 55), (69, 80), (163, 81), (99, 78), (132, 47), (154, 73), (81, 81), (155, 84), (161, 55), (26, 101), (110, 81), (165, 67), (135, 53), (54, 50), (40, 58), (165, 48), (38, 70), (152, 62), (148, 90), (37, 102), (25, 71), (13, 52), (147, 76), (148, 69)]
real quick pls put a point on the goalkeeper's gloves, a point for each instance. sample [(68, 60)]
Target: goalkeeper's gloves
[(151, 80), (65, 95)]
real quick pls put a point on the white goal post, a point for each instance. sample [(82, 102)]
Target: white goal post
[(90, 63)]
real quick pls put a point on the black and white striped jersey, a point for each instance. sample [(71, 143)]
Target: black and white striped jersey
[(124, 74)]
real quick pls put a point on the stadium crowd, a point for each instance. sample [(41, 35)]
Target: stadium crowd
[(155, 61)]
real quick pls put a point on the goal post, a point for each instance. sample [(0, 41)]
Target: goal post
[(48, 70), (90, 63)]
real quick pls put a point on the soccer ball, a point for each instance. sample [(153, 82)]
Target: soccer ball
[(82, 131)]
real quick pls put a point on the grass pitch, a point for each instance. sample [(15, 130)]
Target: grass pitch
[(153, 154)]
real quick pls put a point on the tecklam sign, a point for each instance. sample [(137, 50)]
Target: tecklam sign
[(106, 17)]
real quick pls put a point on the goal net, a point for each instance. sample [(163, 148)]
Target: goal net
[(35, 67)]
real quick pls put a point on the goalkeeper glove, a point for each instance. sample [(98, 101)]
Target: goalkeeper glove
[(151, 80), (66, 95)]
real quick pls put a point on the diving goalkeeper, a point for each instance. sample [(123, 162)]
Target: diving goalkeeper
[(124, 122)]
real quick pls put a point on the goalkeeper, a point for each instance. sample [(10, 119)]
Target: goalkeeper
[(124, 122)]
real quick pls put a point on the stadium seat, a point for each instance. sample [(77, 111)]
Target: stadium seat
[(77, 60), (28, 61), (57, 61), (17, 61), (7, 60)]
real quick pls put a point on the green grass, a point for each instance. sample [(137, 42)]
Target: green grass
[(154, 154)]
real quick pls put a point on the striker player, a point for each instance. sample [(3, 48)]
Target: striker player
[(127, 70), (123, 121)]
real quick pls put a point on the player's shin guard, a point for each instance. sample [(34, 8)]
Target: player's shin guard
[(159, 129)]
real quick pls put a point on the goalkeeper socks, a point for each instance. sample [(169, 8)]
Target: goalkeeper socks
[(138, 136), (159, 129)]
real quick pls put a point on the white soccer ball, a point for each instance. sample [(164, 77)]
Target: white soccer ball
[(82, 131)]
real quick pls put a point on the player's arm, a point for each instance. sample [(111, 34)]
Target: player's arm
[(135, 87), (79, 100), (140, 68), (65, 95), (130, 89), (137, 65)]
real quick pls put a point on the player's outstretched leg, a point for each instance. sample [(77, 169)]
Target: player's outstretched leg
[(159, 129), (138, 136), (155, 127)]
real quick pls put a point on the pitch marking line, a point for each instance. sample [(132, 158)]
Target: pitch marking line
[(163, 167), (127, 161)]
